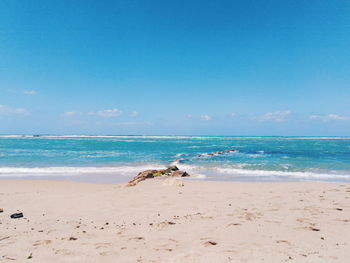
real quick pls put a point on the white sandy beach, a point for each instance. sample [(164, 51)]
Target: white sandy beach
[(169, 220)]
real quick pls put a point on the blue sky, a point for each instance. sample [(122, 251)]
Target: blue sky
[(175, 67)]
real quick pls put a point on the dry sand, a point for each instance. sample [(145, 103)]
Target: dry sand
[(168, 220)]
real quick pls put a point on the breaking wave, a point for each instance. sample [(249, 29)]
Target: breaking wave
[(71, 171), (178, 137), (239, 172)]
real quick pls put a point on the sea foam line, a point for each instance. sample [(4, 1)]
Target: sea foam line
[(180, 137), (236, 172), (195, 171), (69, 170)]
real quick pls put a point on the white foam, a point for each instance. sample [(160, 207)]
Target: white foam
[(256, 155), (239, 171), (16, 136), (176, 137), (71, 171), (116, 136), (199, 172), (200, 176)]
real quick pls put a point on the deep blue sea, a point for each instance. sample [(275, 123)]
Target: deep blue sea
[(118, 158)]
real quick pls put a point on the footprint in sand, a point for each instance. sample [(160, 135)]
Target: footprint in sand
[(102, 245), (8, 258), (210, 243), (65, 252), (252, 216), (107, 253), (173, 240), (137, 238), (42, 242), (166, 247), (233, 224), (283, 242)]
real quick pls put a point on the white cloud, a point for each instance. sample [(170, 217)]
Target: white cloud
[(131, 123), (107, 113), (205, 117), (277, 116), (233, 114), (6, 111), (70, 113), (29, 92), (134, 114), (330, 117)]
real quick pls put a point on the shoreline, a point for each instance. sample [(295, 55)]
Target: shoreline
[(123, 173), (123, 180), (174, 220)]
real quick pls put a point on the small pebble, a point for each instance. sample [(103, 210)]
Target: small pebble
[(17, 215)]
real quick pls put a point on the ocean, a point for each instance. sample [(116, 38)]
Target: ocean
[(119, 158)]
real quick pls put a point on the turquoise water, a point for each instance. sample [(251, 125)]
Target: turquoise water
[(255, 158)]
